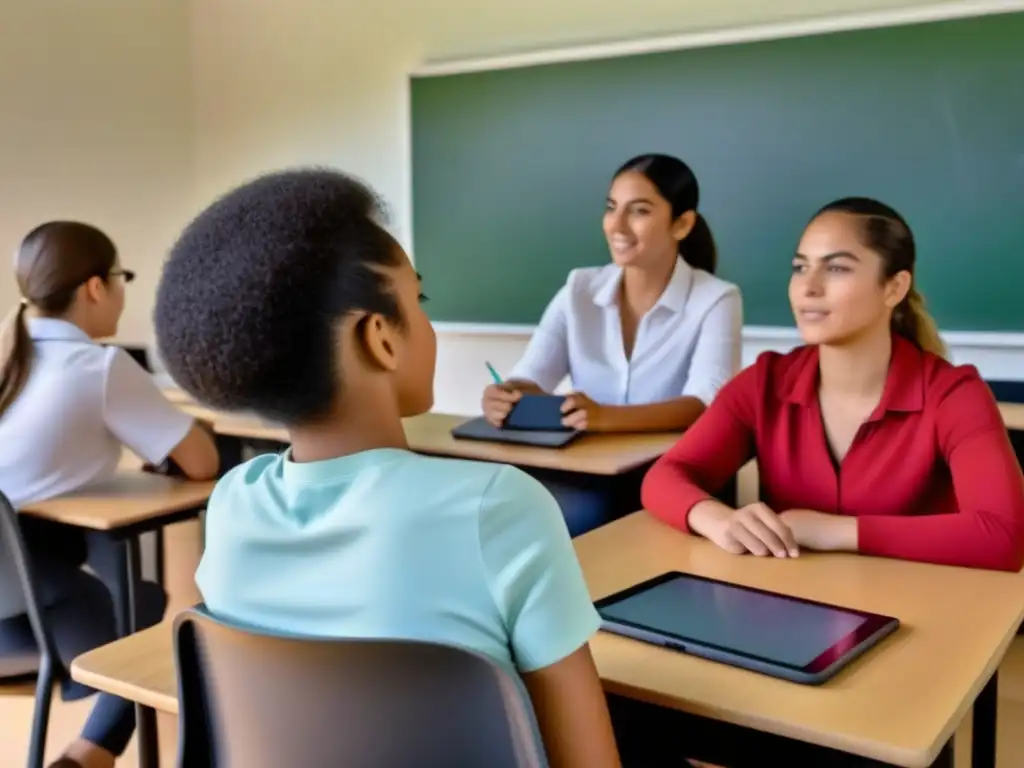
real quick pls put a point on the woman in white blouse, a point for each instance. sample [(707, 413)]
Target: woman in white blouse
[(649, 339), (68, 407)]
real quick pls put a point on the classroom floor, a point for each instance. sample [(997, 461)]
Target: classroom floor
[(183, 549)]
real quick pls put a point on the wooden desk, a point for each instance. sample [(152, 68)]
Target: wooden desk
[(1013, 415), (124, 507), (588, 455), (130, 497), (431, 434), (900, 703), (139, 668)]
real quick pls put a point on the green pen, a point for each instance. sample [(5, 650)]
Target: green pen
[(494, 374)]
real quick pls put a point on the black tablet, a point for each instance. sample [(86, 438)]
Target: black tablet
[(480, 429), (541, 413), (799, 640)]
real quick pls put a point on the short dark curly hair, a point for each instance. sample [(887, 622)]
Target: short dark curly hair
[(247, 304)]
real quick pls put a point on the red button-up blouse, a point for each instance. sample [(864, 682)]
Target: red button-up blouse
[(930, 476)]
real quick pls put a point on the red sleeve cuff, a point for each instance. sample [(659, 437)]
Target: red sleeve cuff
[(671, 502)]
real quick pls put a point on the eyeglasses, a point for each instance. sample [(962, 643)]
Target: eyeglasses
[(127, 274)]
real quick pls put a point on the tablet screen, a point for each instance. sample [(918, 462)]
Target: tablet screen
[(749, 622)]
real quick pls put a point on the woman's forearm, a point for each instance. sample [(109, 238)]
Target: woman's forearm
[(668, 416)]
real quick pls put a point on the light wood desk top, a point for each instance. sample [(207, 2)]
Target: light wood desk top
[(1013, 415), (139, 668), (589, 454), (129, 497), (899, 703), (431, 434)]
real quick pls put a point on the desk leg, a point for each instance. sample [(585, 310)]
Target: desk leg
[(145, 717), (159, 555), (983, 740)]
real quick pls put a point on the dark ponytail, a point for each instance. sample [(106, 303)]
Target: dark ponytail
[(698, 248), (678, 185), (53, 261), (15, 357)]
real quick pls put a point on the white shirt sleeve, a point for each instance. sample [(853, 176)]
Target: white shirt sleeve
[(718, 353), (546, 360), (137, 413)]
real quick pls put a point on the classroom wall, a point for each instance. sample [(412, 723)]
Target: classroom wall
[(133, 113), (324, 81), (95, 124)]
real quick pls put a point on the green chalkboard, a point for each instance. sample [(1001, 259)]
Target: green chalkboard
[(511, 167)]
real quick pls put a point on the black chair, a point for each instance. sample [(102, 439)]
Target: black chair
[(258, 701), (39, 662)]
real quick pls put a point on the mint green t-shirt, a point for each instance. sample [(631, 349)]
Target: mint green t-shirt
[(391, 544)]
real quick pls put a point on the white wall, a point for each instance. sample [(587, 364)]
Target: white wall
[(325, 81), (95, 124), (133, 113)]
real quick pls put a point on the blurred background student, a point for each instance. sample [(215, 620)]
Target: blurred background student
[(68, 407)]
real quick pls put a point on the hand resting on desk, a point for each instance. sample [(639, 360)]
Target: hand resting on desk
[(757, 529), (753, 528)]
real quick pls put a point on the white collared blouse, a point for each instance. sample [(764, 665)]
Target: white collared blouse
[(83, 402), (688, 344)]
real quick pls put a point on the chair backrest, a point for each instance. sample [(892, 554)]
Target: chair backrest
[(18, 593), (258, 701)]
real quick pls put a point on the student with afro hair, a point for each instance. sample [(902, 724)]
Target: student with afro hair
[(288, 298)]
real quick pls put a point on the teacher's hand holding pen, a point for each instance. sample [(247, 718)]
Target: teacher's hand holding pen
[(498, 401), (499, 398)]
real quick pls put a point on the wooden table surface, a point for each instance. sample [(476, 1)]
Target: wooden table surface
[(139, 668), (1013, 415), (431, 434), (899, 703), (129, 497)]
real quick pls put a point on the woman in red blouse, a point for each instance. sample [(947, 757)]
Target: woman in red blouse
[(867, 439)]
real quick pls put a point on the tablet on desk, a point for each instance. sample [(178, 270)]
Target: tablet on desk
[(539, 413), (481, 429), (798, 640)]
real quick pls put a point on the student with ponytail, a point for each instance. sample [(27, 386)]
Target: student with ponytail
[(867, 439), (648, 339), (68, 408)]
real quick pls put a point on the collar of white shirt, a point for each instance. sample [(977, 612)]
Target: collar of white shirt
[(673, 298), (50, 328)]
